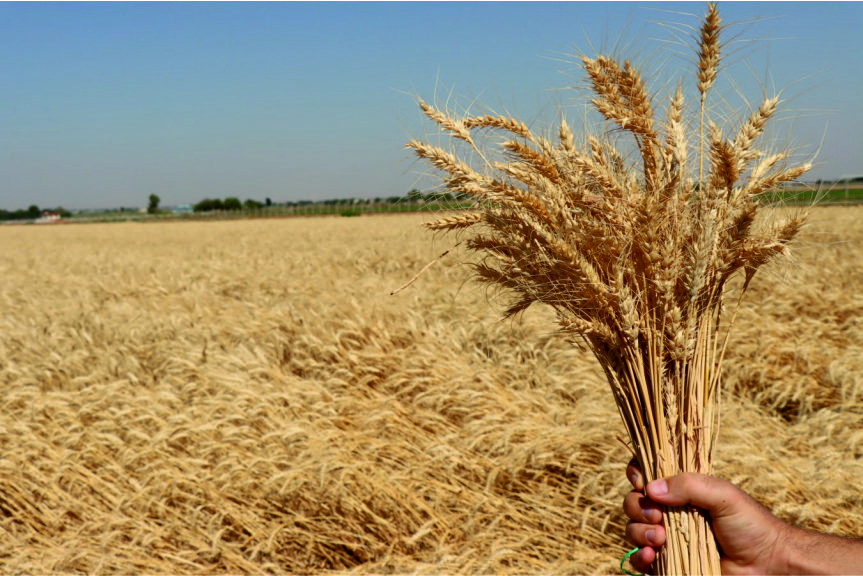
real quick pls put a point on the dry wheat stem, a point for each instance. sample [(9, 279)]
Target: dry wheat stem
[(634, 256)]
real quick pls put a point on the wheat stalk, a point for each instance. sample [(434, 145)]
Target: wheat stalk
[(634, 256)]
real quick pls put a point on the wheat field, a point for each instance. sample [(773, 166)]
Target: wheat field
[(246, 397)]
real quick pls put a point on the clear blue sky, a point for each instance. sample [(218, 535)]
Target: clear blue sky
[(102, 104)]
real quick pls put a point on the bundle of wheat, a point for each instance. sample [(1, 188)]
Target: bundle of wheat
[(632, 251)]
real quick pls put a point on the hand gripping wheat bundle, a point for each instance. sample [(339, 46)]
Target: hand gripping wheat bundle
[(631, 247)]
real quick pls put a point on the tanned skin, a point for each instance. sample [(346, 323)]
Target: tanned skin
[(750, 538)]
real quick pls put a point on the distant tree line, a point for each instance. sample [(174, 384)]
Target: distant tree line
[(32, 213), (233, 204), (415, 196), (230, 203)]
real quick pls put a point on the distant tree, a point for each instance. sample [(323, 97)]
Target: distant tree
[(414, 195), (250, 204), (268, 202), (153, 206), (31, 213), (232, 203), (208, 205), (438, 197)]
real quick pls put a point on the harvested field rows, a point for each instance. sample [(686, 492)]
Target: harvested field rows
[(245, 397)]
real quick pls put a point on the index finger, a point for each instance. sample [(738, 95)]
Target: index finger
[(636, 478)]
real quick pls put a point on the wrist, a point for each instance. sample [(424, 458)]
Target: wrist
[(807, 552), (788, 555)]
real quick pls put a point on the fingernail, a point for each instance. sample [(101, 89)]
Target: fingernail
[(659, 487), (633, 479), (650, 536), (653, 516)]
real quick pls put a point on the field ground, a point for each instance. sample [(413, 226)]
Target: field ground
[(834, 194), (246, 397)]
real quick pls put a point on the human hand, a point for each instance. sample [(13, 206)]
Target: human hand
[(751, 540)]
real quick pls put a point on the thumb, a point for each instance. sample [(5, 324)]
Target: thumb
[(708, 492)]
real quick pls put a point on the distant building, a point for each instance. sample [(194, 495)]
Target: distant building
[(182, 209), (48, 218)]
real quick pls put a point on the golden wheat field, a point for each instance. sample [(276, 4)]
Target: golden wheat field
[(246, 397)]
